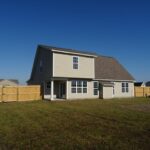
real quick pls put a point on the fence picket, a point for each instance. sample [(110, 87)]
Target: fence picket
[(142, 91), (20, 93)]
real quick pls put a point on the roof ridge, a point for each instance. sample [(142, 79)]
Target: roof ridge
[(69, 49), (106, 56)]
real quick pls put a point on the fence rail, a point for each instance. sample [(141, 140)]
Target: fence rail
[(142, 91), (20, 93)]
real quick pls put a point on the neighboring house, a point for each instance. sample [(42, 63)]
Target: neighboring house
[(147, 83), (139, 84), (8, 82), (71, 74)]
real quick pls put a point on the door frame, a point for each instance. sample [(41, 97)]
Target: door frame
[(62, 87)]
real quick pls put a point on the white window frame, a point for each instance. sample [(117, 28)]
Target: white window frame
[(75, 63), (125, 87), (76, 87), (95, 88)]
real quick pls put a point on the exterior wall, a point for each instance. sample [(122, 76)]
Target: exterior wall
[(107, 92), (118, 90), (45, 56), (88, 95), (47, 91), (63, 66)]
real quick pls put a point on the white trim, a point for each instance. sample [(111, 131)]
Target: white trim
[(114, 80), (67, 85), (75, 63), (52, 90), (76, 87), (96, 88), (53, 65), (74, 53), (125, 87), (94, 67)]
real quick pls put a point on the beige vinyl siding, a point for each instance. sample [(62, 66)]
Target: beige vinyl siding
[(118, 90), (63, 66), (88, 95)]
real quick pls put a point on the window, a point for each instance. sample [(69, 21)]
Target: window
[(41, 66), (84, 83), (113, 90), (75, 62), (84, 90), (79, 83), (48, 85), (95, 88), (73, 85), (73, 90), (78, 86), (125, 87)]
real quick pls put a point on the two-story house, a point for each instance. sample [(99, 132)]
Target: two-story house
[(71, 74)]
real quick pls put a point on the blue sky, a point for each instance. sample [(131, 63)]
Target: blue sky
[(115, 28)]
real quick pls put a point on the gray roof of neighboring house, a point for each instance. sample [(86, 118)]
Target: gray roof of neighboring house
[(110, 68), (67, 50), (138, 83), (147, 83), (12, 80)]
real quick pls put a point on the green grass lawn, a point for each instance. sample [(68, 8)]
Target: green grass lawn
[(119, 124)]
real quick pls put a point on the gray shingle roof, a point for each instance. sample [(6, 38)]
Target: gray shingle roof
[(148, 83), (110, 68), (67, 50), (138, 83), (105, 67)]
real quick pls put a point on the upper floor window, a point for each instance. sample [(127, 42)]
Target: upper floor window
[(75, 62), (125, 87), (41, 66)]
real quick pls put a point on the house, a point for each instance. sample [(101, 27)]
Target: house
[(147, 83), (8, 82), (71, 74), (139, 84)]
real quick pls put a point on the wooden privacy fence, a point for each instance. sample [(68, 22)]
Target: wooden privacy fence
[(142, 91), (20, 93)]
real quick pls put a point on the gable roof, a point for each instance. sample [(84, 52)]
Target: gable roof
[(11, 80), (110, 68), (148, 83), (67, 50), (106, 68), (138, 83)]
